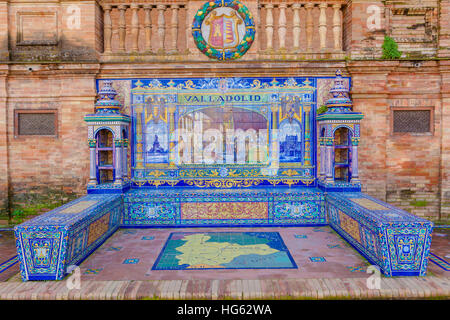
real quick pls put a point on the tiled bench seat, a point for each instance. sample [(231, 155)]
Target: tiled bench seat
[(395, 240), (65, 236), (209, 207)]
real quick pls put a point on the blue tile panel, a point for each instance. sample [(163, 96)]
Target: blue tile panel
[(395, 240), (210, 207), (65, 236)]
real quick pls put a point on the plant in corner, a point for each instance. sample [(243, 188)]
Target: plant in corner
[(18, 215), (390, 49), (322, 109)]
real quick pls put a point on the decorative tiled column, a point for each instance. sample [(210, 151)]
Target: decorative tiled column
[(139, 143), (355, 175), (339, 116), (275, 157), (107, 117), (322, 156), (118, 162), (307, 111), (124, 160), (92, 159), (172, 136), (329, 142)]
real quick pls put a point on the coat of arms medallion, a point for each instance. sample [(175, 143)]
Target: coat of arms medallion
[(223, 29)]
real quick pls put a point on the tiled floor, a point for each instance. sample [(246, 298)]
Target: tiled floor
[(440, 246), (318, 252), (7, 251), (327, 268), (224, 250), (130, 255)]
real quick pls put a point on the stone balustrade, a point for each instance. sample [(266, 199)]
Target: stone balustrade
[(301, 27), (131, 28), (285, 30)]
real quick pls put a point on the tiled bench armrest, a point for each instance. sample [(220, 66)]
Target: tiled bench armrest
[(51, 242), (395, 240)]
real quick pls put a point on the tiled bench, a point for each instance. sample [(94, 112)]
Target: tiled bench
[(393, 239), (49, 243), (224, 207)]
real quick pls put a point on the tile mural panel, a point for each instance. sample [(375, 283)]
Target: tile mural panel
[(223, 132)]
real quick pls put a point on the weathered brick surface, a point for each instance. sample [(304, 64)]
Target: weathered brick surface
[(444, 28), (445, 140), (411, 171), (4, 183), (45, 164)]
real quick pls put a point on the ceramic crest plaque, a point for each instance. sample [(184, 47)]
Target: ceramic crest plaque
[(223, 29)]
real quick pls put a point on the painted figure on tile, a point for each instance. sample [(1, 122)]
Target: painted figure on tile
[(157, 142), (290, 141)]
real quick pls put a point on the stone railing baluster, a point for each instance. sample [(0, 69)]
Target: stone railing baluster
[(148, 27), (174, 27), (301, 24), (122, 27), (337, 27), (134, 27), (269, 26), (282, 25), (323, 25), (161, 25), (296, 25), (107, 28), (309, 26)]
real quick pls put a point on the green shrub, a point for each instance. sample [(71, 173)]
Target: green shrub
[(18, 215), (322, 109), (419, 203), (390, 49)]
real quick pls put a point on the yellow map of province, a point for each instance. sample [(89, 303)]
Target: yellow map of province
[(198, 253)]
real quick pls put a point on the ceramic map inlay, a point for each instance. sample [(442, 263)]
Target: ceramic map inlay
[(224, 250)]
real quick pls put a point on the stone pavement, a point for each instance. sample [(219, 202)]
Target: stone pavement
[(342, 275), (349, 288), (332, 256)]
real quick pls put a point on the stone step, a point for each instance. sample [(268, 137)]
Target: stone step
[(346, 288)]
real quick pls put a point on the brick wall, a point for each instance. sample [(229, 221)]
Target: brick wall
[(40, 164), (413, 159), (4, 172), (411, 171)]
